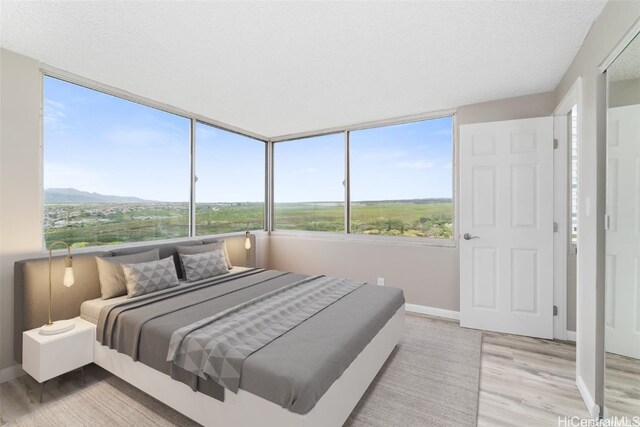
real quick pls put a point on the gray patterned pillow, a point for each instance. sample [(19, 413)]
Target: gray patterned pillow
[(208, 247), (204, 265), (148, 277)]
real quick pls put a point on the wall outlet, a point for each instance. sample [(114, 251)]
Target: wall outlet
[(380, 281)]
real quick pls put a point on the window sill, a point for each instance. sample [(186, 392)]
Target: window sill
[(107, 248), (363, 238)]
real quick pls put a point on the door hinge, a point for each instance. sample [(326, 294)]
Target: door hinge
[(555, 143), (555, 227), (607, 222), (555, 310)]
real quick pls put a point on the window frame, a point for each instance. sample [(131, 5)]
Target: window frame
[(272, 224), (268, 223), (194, 180), (347, 234), (52, 72)]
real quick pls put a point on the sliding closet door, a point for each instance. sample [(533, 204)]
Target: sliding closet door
[(506, 226), (622, 283)]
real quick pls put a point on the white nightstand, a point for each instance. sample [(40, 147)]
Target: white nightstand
[(47, 356)]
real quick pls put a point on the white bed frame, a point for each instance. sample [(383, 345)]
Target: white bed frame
[(246, 409)]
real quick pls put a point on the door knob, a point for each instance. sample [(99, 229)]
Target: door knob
[(468, 236)]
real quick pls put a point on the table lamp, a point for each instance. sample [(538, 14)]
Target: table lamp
[(52, 328)]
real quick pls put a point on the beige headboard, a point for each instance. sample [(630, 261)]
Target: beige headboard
[(31, 282)]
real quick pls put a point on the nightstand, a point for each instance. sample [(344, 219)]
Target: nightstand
[(47, 356)]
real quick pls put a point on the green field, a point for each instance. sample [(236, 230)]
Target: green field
[(113, 223)]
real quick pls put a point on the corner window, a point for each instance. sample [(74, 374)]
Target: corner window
[(230, 171), (308, 184)]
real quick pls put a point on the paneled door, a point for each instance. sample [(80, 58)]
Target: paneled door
[(622, 287), (506, 226)]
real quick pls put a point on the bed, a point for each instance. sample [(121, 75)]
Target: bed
[(311, 374)]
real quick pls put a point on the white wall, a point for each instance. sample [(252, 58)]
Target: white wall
[(428, 275), (20, 200), (615, 20)]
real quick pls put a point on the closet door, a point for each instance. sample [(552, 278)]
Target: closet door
[(622, 282)]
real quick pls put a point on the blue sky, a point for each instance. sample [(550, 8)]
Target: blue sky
[(99, 143)]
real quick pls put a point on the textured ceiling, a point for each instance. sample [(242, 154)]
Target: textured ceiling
[(276, 68), (627, 65)]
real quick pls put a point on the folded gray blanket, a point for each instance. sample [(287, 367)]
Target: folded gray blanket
[(216, 347)]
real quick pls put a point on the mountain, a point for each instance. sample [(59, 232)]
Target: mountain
[(71, 195)]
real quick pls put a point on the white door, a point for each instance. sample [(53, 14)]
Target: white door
[(622, 287), (506, 216)]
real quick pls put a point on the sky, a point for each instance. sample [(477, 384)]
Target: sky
[(99, 143)]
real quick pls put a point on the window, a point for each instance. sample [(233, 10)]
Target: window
[(230, 170), (308, 184), (114, 171), (402, 179), (574, 175)]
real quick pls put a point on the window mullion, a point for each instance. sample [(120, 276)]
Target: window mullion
[(193, 180), (268, 193), (347, 185)]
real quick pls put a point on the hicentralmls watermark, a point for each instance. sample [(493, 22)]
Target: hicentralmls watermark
[(603, 422)]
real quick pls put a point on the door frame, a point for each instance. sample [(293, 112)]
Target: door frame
[(561, 191), (561, 211)]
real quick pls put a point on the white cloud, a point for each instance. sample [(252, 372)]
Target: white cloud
[(306, 171), (139, 137), (54, 115), (57, 175), (416, 164), (379, 154)]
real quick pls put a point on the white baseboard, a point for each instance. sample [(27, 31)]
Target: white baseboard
[(570, 335), (432, 311), (7, 374), (592, 407)]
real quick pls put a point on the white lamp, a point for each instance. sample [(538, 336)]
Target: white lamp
[(52, 328)]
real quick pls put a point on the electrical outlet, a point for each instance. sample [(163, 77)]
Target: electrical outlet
[(380, 281)]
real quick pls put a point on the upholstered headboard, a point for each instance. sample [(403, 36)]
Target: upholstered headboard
[(31, 282)]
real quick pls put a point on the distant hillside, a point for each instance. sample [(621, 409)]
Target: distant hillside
[(71, 195)]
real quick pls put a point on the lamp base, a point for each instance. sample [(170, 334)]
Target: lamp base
[(57, 327)]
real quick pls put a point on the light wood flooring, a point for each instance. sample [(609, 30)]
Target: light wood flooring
[(523, 382)]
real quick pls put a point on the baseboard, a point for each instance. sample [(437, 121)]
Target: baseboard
[(570, 335), (592, 407), (432, 311), (7, 374)]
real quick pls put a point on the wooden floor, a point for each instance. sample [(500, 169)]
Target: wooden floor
[(524, 382), (527, 382), (622, 386)]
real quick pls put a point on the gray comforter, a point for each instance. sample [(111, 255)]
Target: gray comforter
[(294, 370)]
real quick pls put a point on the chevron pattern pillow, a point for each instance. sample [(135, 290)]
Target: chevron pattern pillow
[(204, 265), (147, 277)]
